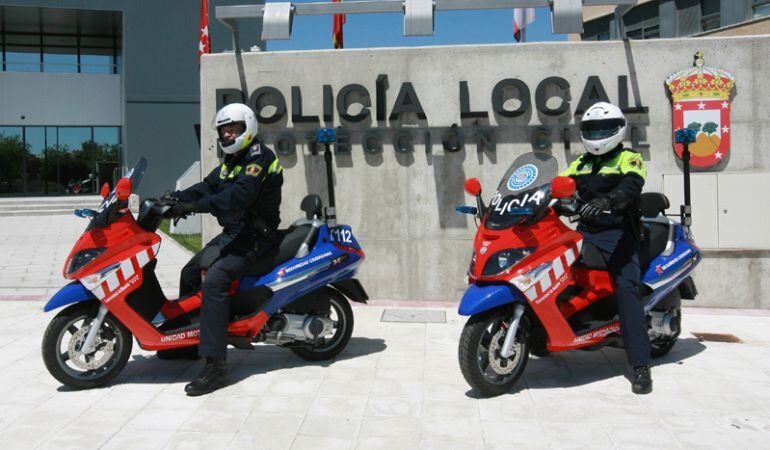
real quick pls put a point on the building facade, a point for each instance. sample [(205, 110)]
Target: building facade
[(88, 87), (652, 19)]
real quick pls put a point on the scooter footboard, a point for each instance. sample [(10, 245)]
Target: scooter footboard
[(480, 298)]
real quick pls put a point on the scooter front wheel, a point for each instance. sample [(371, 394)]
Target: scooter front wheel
[(479, 352), (64, 338)]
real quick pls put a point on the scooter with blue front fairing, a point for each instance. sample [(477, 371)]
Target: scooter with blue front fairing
[(298, 299), (535, 288)]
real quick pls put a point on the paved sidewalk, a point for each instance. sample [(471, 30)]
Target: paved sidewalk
[(397, 386)]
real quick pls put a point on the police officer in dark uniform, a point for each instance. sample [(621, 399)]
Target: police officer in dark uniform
[(244, 194), (610, 180)]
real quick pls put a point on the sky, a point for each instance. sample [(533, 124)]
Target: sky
[(386, 30)]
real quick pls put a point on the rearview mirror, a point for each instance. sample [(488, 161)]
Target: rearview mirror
[(473, 186), (105, 190), (563, 187), (123, 189)]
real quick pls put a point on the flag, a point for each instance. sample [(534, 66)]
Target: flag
[(204, 41), (339, 21), (521, 18)]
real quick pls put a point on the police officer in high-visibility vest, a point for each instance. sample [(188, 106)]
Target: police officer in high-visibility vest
[(609, 182), (244, 194)]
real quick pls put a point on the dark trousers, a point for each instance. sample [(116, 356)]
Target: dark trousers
[(226, 261), (621, 251)]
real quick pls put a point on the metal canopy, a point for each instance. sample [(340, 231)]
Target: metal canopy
[(419, 15)]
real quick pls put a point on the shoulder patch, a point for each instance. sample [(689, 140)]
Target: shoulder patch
[(256, 150), (253, 170)]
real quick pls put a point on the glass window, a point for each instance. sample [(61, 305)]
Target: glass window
[(54, 37), (96, 41), (35, 163), (22, 59), (710, 17), (12, 154), (26, 39), (761, 8), (60, 40), (107, 135), (51, 139), (73, 138), (96, 60), (635, 34), (10, 132), (597, 29), (62, 60), (35, 139)]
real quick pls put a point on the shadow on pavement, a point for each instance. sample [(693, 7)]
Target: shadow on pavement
[(565, 369), (144, 369)]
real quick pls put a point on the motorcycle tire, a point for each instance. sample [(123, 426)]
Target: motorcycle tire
[(79, 371), (334, 345), (483, 335)]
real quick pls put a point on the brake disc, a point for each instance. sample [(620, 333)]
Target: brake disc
[(495, 361), (105, 350)]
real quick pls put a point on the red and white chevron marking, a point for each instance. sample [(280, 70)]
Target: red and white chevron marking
[(549, 278), (108, 285)]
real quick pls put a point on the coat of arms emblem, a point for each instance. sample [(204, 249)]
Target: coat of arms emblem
[(701, 101)]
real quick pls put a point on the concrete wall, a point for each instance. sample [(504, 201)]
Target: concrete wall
[(401, 205), (49, 99)]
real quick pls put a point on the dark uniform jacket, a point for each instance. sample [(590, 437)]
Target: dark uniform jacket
[(244, 194), (618, 175)]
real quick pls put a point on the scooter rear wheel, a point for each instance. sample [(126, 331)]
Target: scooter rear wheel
[(479, 352), (64, 337), (342, 314)]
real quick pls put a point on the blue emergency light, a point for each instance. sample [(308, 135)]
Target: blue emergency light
[(326, 136)]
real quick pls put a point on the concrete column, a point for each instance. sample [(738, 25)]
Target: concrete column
[(688, 17), (667, 18), (734, 11)]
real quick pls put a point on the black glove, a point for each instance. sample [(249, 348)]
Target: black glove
[(180, 209), (595, 207), (169, 197)]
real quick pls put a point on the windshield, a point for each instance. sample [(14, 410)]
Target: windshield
[(523, 192), (105, 213), (137, 173)]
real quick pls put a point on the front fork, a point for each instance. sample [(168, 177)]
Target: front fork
[(506, 351), (93, 332)]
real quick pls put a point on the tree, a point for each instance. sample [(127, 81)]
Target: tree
[(710, 128), (695, 126), (12, 155)]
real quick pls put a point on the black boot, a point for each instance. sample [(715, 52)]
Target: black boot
[(212, 377), (642, 380)]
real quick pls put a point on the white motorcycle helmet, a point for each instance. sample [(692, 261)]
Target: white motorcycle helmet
[(602, 128), (236, 113)]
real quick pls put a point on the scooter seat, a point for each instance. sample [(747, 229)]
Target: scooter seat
[(591, 258), (654, 203), (291, 240)]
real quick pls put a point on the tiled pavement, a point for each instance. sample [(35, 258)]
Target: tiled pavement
[(396, 386)]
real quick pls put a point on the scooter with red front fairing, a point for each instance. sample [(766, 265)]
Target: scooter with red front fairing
[(534, 287), (296, 297)]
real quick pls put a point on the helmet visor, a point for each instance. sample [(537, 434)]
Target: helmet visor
[(231, 131), (595, 130)]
